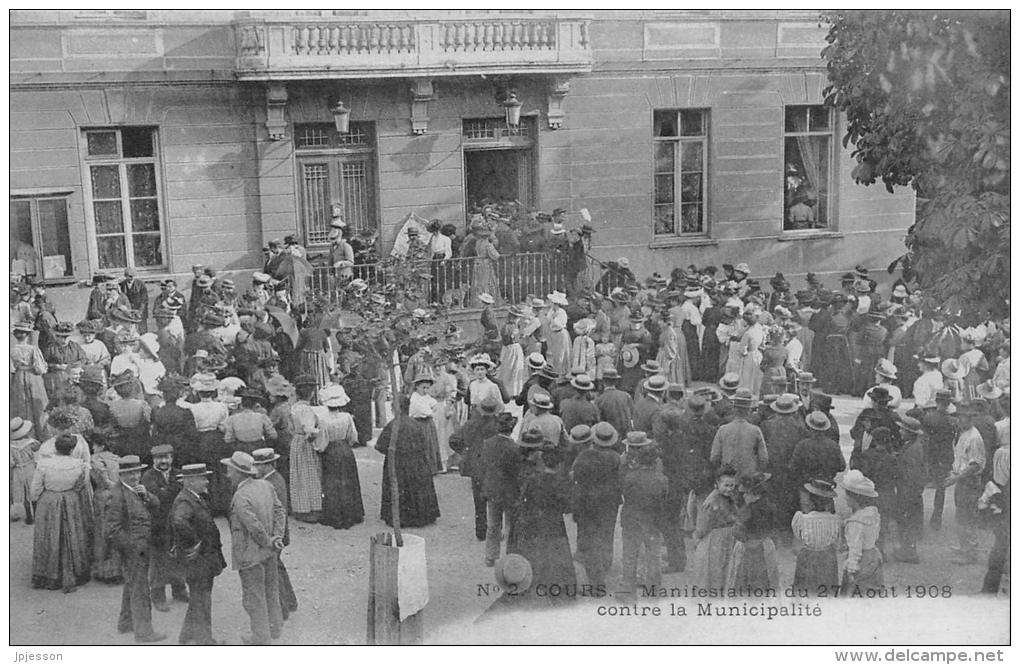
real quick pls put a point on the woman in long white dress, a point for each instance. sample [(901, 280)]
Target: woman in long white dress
[(557, 337), (511, 372), (750, 351)]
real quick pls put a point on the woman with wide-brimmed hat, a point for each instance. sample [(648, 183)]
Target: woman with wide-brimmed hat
[(556, 334), (28, 392), (511, 373), (414, 469), (818, 527), (211, 422), (753, 563), (23, 449), (485, 253), (863, 568), (63, 356), (342, 505)]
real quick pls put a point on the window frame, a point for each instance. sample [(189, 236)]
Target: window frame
[(33, 197), (122, 163), (831, 229), (678, 236), (334, 156)]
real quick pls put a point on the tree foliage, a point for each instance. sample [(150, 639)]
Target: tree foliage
[(926, 98)]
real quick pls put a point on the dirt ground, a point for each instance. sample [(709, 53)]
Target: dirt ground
[(329, 569)]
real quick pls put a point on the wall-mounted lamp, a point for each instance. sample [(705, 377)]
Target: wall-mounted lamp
[(341, 117)]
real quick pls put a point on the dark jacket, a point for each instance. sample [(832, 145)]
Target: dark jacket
[(596, 474), (617, 409), (468, 442), (816, 457), (280, 485), (644, 410), (501, 464), (192, 523), (782, 434), (166, 491), (644, 496), (578, 410), (137, 295), (129, 520)]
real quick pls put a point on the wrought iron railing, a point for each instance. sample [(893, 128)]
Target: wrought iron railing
[(458, 281)]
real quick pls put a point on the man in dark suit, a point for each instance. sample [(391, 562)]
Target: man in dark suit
[(129, 525), (596, 494), (265, 463), (138, 296), (197, 540), (501, 467), (163, 570), (467, 442), (646, 407)]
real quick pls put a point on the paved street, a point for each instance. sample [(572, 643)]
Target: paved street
[(329, 569)]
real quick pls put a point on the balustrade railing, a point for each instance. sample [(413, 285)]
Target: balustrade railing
[(457, 282), (404, 45)]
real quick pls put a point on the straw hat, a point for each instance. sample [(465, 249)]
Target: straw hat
[(656, 383), (729, 382), (989, 391), (817, 421), (20, 428), (486, 298), (820, 487), (604, 435), (742, 267), (652, 366), (558, 298), (581, 434), (204, 383), (697, 404), (582, 382), (912, 425), (240, 461), (857, 483), (490, 406), (786, 403), (638, 440), (630, 356), (742, 398), (334, 396), (264, 456), (481, 359), (536, 361), (541, 401), (130, 463), (886, 369), (193, 471), (513, 574)]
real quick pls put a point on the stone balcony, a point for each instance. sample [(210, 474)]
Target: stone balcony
[(297, 48)]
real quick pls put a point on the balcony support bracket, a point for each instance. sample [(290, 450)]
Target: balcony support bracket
[(276, 106), (558, 89), (422, 92)]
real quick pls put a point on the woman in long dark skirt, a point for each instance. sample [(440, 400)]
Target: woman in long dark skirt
[(419, 505), (538, 532), (342, 506), (360, 389)]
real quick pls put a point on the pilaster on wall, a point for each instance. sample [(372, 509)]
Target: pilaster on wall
[(276, 172)]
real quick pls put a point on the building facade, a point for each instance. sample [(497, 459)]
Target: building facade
[(158, 139)]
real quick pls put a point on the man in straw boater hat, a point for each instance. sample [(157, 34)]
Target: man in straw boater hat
[(196, 540), (817, 456), (578, 409), (161, 482), (739, 443), (596, 474), (257, 521), (649, 405), (129, 516), (782, 433), (540, 416), (644, 490), (468, 442), (265, 464), (614, 405)]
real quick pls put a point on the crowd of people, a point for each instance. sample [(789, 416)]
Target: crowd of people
[(700, 403)]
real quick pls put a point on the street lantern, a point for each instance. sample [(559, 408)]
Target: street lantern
[(341, 117), (512, 106)]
